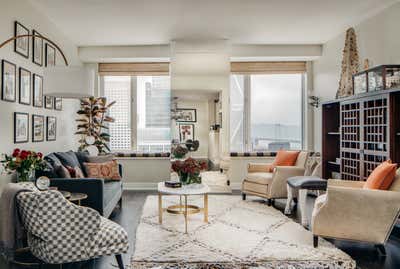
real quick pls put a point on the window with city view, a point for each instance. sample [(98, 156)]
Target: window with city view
[(142, 112), (266, 112)]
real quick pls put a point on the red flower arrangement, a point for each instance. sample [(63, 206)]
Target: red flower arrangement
[(189, 170), (24, 162)]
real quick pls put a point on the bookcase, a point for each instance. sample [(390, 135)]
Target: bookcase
[(360, 132)]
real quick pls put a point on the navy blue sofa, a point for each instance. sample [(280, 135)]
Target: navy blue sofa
[(103, 195)]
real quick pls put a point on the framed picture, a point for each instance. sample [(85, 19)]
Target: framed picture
[(186, 131), (24, 86), (37, 49), (21, 127), (187, 115), (37, 128), (21, 45), (51, 131), (50, 53), (37, 91), (57, 103), (48, 102), (8, 81)]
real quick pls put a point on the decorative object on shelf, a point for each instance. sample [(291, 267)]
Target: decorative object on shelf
[(92, 123), (21, 45), (37, 128), (314, 101), (50, 53), (57, 103), (366, 64), (186, 115), (189, 170), (173, 184), (179, 151), (37, 48), (8, 81), (42, 183), (21, 127), (186, 131), (350, 64), (37, 90), (24, 86), (48, 102), (382, 77), (24, 163), (360, 83), (51, 128)]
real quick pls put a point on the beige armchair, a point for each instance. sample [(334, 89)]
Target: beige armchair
[(349, 212), (271, 185)]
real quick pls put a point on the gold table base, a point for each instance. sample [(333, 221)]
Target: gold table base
[(180, 209)]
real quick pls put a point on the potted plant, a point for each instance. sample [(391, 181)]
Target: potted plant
[(189, 170), (25, 163)]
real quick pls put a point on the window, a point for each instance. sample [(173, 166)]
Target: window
[(142, 112), (266, 112)]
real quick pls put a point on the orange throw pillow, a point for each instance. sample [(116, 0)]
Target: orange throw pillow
[(107, 170), (285, 158), (382, 176)]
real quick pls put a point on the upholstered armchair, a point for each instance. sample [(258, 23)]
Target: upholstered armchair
[(59, 231), (349, 212), (271, 185)]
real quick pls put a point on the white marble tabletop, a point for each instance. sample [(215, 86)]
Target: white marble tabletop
[(192, 189)]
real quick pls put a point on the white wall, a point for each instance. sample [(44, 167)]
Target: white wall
[(25, 13), (378, 40)]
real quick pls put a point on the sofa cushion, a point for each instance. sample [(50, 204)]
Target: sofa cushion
[(382, 176), (82, 157), (111, 189), (285, 158), (260, 178), (108, 170), (68, 158), (100, 158)]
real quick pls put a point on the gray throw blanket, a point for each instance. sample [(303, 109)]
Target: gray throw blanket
[(11, 229)]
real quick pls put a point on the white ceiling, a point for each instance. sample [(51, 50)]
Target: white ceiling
[(133, 22)]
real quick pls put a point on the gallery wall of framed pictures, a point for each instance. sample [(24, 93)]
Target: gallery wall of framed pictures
[(24, 86)]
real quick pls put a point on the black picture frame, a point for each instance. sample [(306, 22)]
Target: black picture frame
[(4, 84), (180, 133), (27, 100), (34, 135), (37, 82), (51, 137), (58, 103), (20, 29), (50, 54), (192, 110), (36, 51), (48, 102), (16, 116)]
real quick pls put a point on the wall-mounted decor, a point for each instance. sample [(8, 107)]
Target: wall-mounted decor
[(51, 128), (8, 81), (48, 102), (37, 128), (21, 45), (186, 115), (186, 131), (57, 103), (37, 91), (24, 86), (37, 49), (21, 127), (50, 53)]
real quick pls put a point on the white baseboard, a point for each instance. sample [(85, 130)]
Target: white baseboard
[(145, 186)]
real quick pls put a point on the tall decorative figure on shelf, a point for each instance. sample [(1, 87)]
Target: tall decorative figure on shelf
[(350, 65), (92, 123)]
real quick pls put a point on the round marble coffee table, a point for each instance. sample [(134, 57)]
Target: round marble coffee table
[(184, 209)]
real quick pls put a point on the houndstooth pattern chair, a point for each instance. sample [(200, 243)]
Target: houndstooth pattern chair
[(61, 232)]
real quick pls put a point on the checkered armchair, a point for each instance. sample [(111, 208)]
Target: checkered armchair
[(61, 232)]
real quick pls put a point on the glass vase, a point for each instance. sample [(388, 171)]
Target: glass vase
[(26, 175)]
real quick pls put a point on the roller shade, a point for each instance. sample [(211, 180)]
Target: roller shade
[(133, 69), (268, 67)]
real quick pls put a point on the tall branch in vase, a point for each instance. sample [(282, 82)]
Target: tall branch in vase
[(92, 122)]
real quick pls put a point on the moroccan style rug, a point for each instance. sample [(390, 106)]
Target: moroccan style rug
[(240, 234)]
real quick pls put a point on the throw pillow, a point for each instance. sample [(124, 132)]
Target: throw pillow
[(75, 172), (107, 170), (382, 176), (68, 158), (285, 158), (63, 172), (100, 158)]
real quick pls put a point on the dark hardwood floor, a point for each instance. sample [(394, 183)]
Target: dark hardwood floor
[(365, 255)]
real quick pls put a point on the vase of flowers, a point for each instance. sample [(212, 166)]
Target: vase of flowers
[(179, 152), (189, 170), (24, 163)]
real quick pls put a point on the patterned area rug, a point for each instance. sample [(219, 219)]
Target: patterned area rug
[(240, 234)]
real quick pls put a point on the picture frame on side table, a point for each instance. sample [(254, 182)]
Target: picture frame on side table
[(25, 88), (186, 131), (21, 45), (51, 128), (21, 127), (8, 81), (48, 102), (37, 90), (37, 128), (50, 53), (58, 103), (37, 49)]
